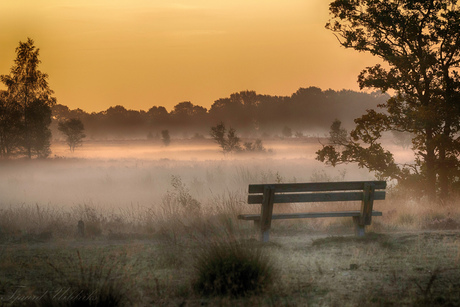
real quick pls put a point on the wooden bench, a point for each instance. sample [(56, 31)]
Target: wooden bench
[(268, 194)]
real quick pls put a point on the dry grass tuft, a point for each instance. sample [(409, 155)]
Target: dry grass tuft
[(89, 282), (230, 268)]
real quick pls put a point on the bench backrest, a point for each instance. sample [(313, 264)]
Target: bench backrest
[(314, 191)]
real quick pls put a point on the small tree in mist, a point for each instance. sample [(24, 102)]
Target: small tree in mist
[(298, 134), (287, 132), (227, 140), (257, 146), (230, 142), (233, 141), (73, 130), (337, 134), (165, 137)]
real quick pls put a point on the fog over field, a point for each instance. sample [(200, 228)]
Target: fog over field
[(120, 174)]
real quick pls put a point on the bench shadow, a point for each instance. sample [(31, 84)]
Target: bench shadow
[(369, 238)]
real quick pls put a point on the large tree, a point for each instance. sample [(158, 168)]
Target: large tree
[(419, 43), (28, 99), (10, 125)]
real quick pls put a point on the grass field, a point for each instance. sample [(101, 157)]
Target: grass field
[(148, 217)]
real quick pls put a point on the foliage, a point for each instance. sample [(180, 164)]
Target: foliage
[(337, 134), (420, 43), (26, 106), (227, 140), (231, 268), (165, 137), (287, 132), (257, 146), (10, 125), (73, 130), (248, 113)]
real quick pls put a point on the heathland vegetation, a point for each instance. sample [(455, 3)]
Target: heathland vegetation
[(159, 232)]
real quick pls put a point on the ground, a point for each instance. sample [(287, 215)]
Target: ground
[(390, 269)]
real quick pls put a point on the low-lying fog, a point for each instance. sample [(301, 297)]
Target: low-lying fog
[(117, 174)]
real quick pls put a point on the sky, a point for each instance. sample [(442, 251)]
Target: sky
[(144, 53)]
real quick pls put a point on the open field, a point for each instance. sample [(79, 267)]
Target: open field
[(392, 269), (150, 210)]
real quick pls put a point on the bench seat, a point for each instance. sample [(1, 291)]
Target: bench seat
[(280, 216)]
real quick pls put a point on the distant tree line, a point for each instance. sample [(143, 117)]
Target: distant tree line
[(251, 114)]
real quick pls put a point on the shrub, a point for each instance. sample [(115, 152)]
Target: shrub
[(230, 268)]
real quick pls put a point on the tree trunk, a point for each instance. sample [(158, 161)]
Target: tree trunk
[(445, 141), (443, 164), (430, 162)]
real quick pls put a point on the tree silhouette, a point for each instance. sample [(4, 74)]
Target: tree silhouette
[(73, 130), (11, 127), (286, 132), (165, 137), (227, 140), (27, 93), (420, 43)]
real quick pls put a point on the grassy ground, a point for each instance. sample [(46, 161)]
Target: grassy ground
[(146, 223), (391, 269)]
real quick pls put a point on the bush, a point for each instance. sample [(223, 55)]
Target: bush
[(230, 268)]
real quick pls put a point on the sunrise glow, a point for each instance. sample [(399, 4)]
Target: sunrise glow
[(142, 53)]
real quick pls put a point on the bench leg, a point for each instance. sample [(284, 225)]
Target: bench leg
[(359, 229), (265, 235)]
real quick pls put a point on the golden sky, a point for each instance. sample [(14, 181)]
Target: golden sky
[(141, 53)]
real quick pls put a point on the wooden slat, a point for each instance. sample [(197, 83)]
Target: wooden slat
[(252, 217), (315, 197), (317, 186)]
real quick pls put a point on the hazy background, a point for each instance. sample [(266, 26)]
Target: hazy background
[(139, 53), (120, 175)]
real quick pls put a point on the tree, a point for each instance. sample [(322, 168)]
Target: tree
[(165, 137), (419, 42), (286, 132), (257, 146), (10, 125), (337, 134), (218, 134), (29, 95), (233, 141), (73, 130), (228, 140), (186, 115)]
